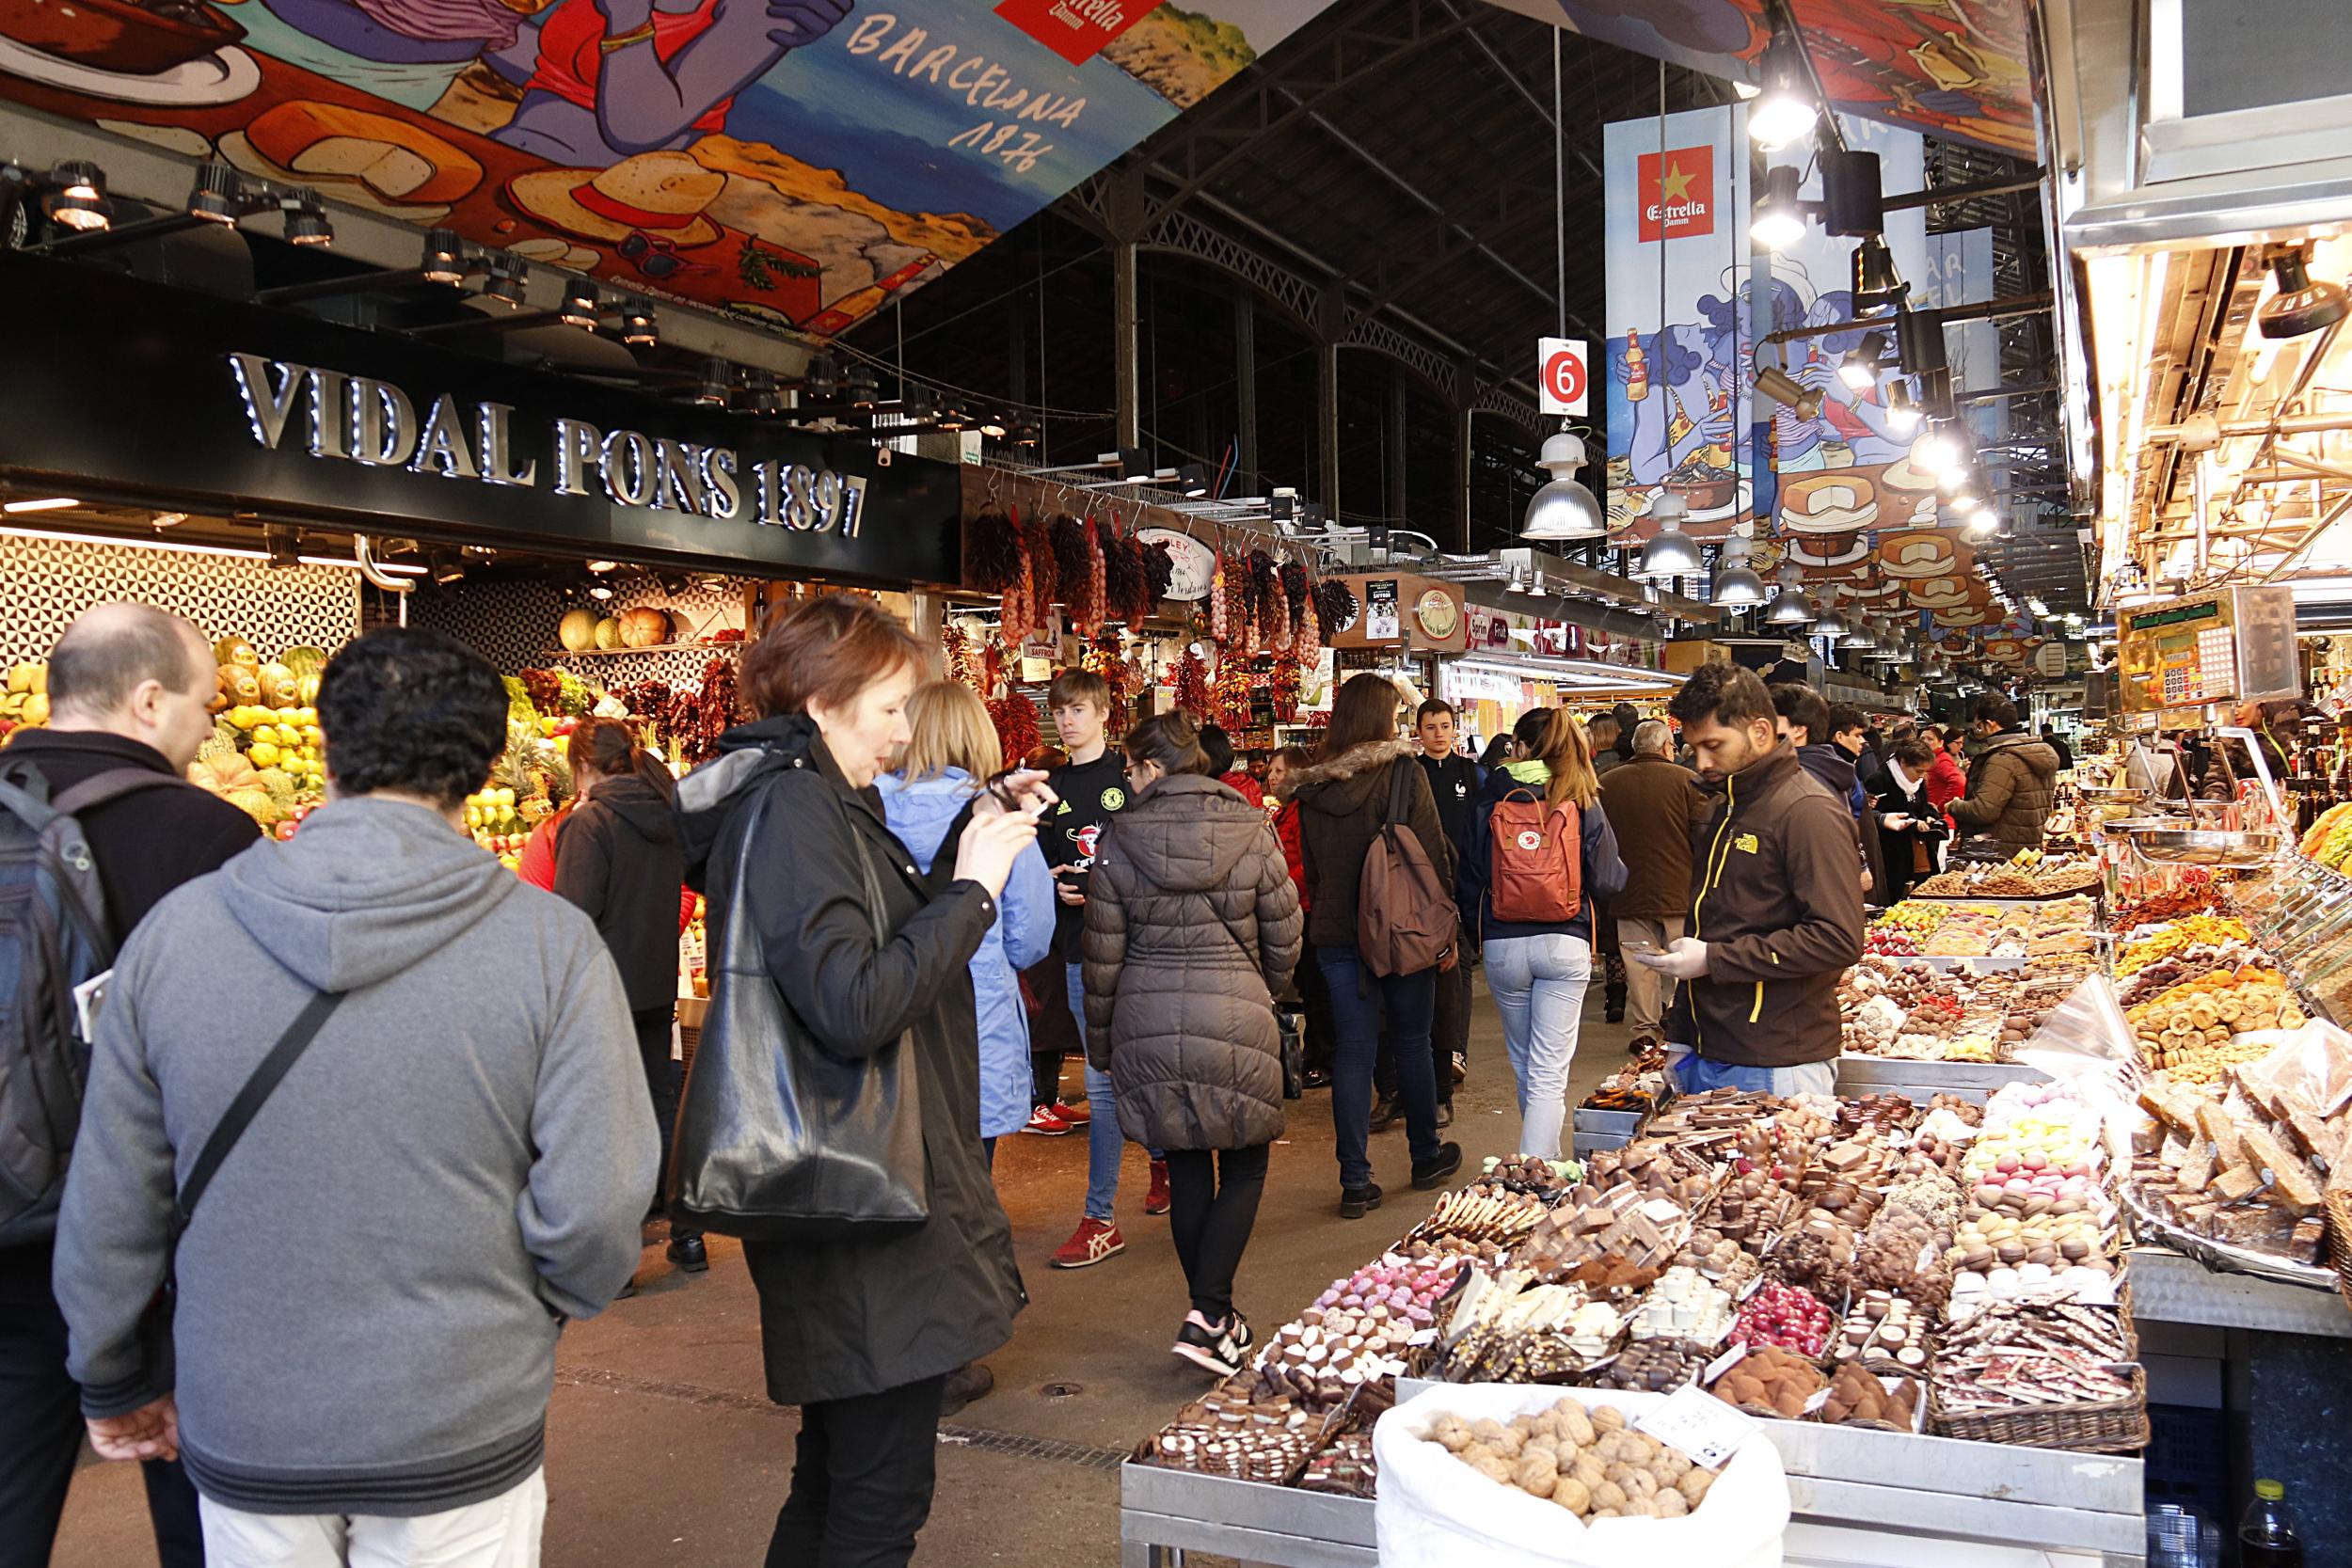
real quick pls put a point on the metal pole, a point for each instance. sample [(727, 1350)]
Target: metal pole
[(1124, 347), (1394, 507), (1328, 423), (1244, 479), (1463, 417)]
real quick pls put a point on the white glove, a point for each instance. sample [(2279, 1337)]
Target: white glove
[(1685, 960)]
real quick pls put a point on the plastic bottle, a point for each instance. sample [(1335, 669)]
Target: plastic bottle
[(2266, 1536)]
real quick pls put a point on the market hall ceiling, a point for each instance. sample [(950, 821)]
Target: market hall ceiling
[(791, 165)]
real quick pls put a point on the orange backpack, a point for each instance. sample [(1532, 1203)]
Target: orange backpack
[(1537, 859)]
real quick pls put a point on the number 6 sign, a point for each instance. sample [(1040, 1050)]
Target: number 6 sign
[(1560, 374)]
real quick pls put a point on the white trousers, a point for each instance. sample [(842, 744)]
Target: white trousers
[(501, 1532)]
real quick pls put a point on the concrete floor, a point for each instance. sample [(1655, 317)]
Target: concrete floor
[(662, 1448)]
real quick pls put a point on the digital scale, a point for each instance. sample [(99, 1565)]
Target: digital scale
[(2227, 646)]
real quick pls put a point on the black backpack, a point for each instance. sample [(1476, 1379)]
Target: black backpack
[(53, 935)]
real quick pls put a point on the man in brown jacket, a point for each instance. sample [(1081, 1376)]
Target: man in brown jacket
[(1654, 804), (2012, 781), (1775, 904)]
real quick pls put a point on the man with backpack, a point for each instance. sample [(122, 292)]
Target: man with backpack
[(429, 1074), (128, 690)]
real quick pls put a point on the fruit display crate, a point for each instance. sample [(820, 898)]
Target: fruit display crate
[(1847, 1487)]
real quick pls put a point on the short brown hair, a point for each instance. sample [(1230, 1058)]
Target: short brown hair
[(601, 745), (1728, 694), (1075, 685), (1169, 740), (1914, 753), (828, 650)]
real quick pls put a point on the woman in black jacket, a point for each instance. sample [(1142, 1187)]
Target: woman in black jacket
[(617, 857), (1343, 800), (1910, 827), (861, 1333)]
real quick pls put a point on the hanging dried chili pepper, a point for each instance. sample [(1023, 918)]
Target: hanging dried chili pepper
[(1192, 687), (1335, 607), (1098, 593), (992, 554), (1074, 566), (1037, 544), (1159, 572), (1264, 584), (1295, 592), (1015, 718)]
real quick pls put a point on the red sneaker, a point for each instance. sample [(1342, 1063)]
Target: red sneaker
[(1075, 1115), (1092, 1242), (1045, 1124), (1156, 1201)]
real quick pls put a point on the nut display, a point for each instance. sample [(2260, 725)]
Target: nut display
[(1782, 1316), (1770, 1379), (1856, 1395), (1654, 1366), (1683, 1304), (1590, 1462)]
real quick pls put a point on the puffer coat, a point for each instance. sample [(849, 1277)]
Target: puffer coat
[(1191, 925), (2011, 783)]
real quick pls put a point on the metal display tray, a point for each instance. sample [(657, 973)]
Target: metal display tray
[(2221, 1256), (1860, 1075)]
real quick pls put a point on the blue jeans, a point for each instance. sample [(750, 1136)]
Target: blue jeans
[(1412, 1001), (1696, 1074), (1106, 1142), (1538, 984)]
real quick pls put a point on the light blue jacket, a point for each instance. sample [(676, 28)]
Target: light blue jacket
[(1024, 934)]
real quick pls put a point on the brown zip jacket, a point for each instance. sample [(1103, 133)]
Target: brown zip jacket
[(1342, 805), (1776, 895)]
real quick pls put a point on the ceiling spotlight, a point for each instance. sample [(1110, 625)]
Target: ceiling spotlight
[(1860, 640), (1902, 408), (1671, 553), (1785, 110), (717, 385), (1938, 450), (823, 378), (951, 419), (864, 388), (1777, 220), (446, 566), (1860, 368), (2301, 306), (580, 308), (1563, 508), (1969, 497), (1134, 468), (77, 197), (1024, 434), (509, 275), (759, 394), (1853, 200), (1877, 286), (444, 258), (1782, 388), (638, 330), (1737, 586), (305, 215), (599, 591), (993, 426), (1830, 625), (219, 195), (1193, 480), (283, 545), (915, 402)]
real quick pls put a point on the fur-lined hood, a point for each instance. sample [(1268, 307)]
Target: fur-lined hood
[(1340, 786)]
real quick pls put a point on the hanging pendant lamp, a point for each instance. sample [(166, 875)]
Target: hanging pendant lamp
[(1737, 586), (1671, 553), (1830, 624), (1790, 607), (1563, 508)]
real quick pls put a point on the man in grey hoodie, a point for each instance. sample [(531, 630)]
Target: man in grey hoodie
[(464, 1151)]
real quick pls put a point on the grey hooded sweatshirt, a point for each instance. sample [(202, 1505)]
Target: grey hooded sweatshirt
[(370, 1289)]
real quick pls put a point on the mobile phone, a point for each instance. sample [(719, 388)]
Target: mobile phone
[(1641, 944)]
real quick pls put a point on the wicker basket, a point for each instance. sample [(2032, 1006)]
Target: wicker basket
[(2109, 1426), (2338, 1207)]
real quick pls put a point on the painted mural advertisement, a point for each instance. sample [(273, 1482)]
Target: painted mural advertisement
[(1842, 494), (1954, 69), (792, 162)]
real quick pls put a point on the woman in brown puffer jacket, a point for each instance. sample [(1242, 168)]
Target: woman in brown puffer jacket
[(1191, 925)]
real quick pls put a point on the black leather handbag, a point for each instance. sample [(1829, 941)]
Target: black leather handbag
[(779, 1138)]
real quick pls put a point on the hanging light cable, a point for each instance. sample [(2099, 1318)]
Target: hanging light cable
[(1563, 508)]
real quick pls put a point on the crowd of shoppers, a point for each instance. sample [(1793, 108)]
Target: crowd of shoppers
[(487, 1106)]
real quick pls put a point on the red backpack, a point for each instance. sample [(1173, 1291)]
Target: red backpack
[(1535, 860)]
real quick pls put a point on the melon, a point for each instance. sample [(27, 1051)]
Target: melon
[(304, 660), (577, 632), (643, 629), (236, 650), (608, 633), (279, 686)]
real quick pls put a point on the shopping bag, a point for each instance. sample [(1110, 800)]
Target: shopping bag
[(1436, 1512)]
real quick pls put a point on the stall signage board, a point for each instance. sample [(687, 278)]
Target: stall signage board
[(1561, 384), (130, 391)]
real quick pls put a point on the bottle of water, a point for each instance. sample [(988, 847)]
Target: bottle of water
[(2178, 1538), (2266, 1536)]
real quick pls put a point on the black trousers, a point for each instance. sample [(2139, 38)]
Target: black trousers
[(862, 1481), (1213, 1205), (1315, 996), (1449, 1035), (40, 1435), (661, 1082)]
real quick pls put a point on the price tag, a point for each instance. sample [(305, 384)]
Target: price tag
[(1700, 1425), (1724, 1362)]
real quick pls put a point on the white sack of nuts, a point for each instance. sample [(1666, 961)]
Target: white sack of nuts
[(1490, 1475)]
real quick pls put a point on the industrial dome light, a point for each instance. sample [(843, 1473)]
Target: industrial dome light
[(1671, 553), (1563, 508)]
